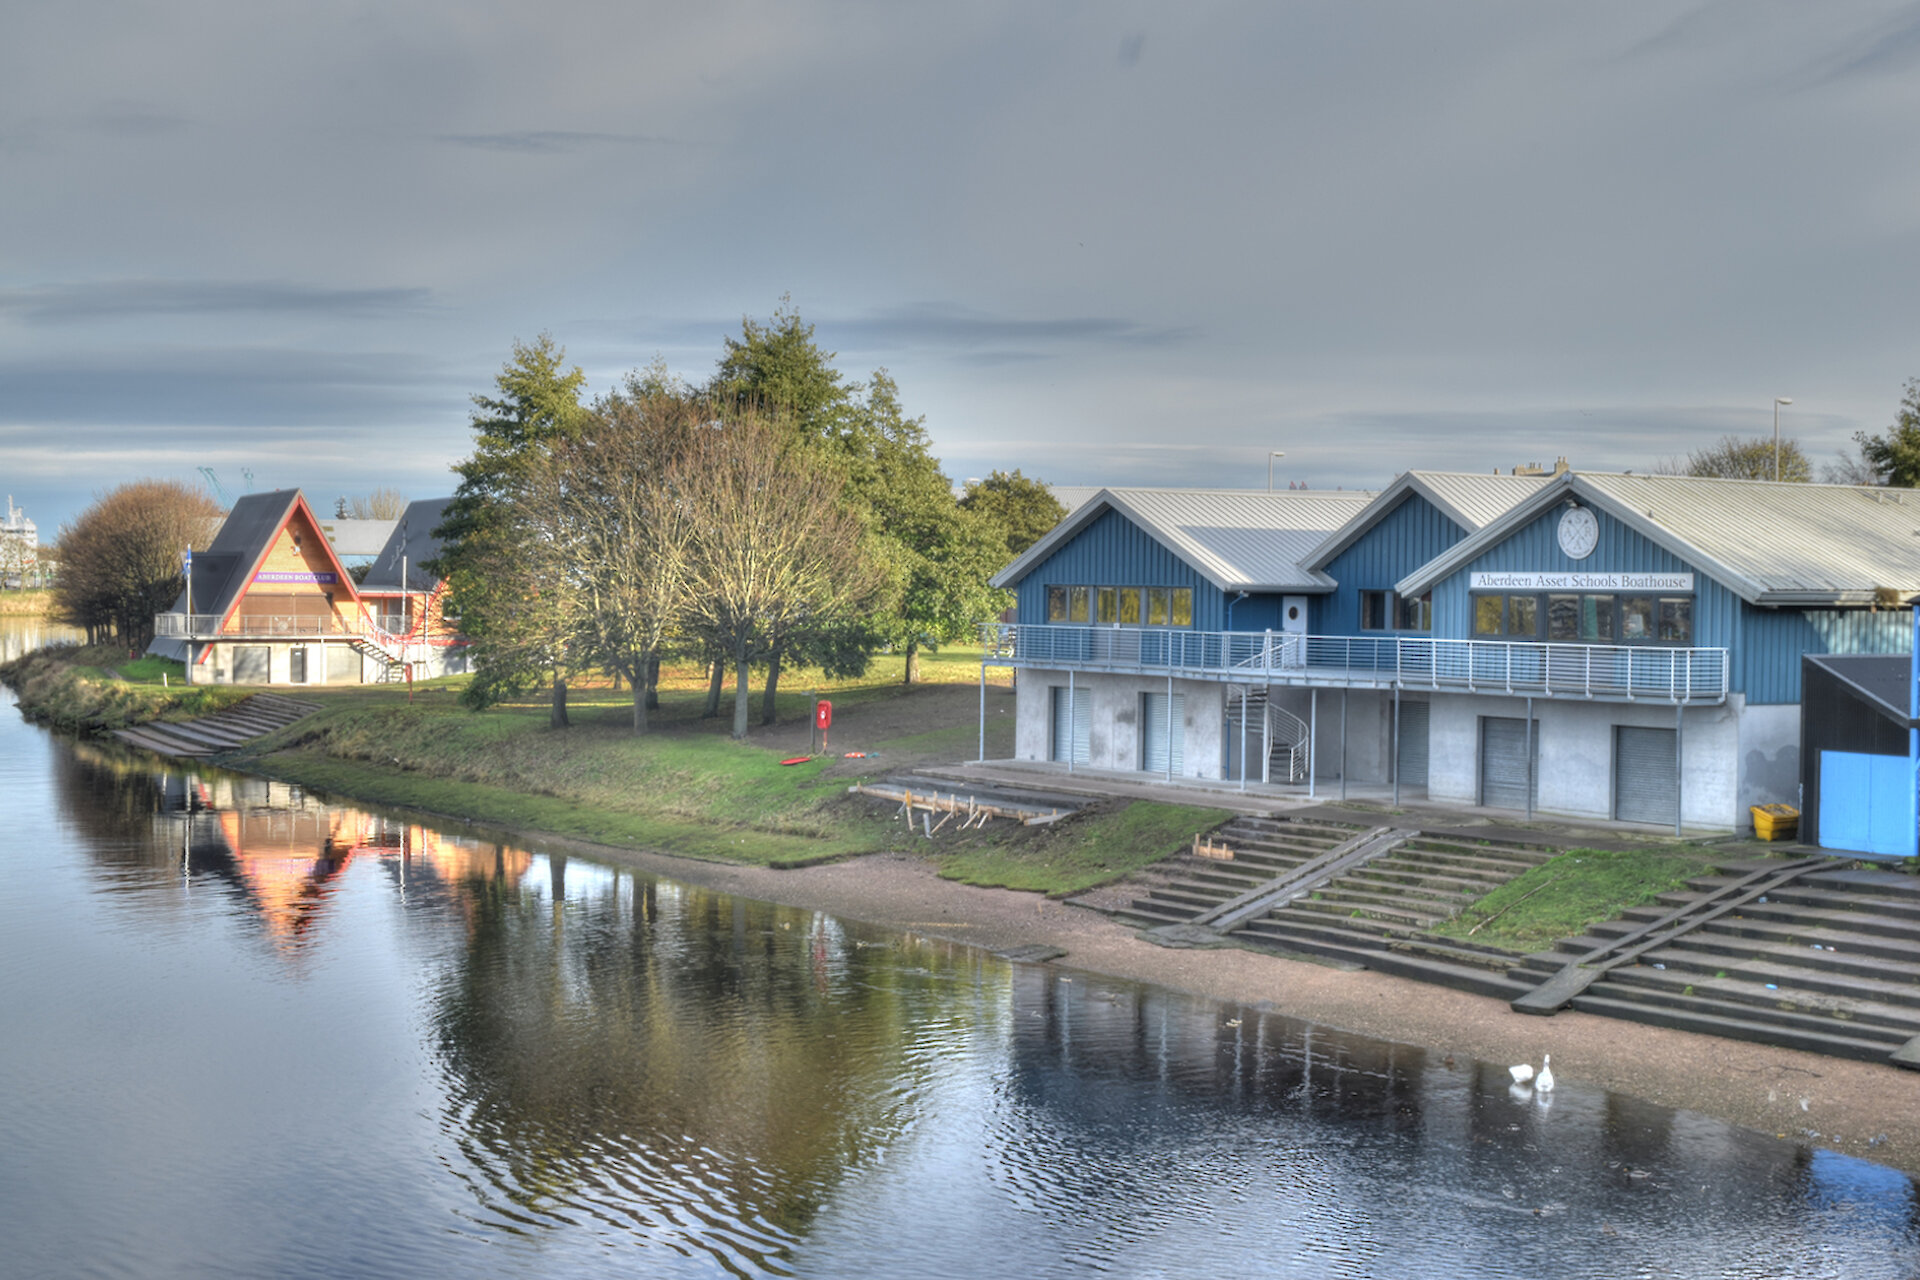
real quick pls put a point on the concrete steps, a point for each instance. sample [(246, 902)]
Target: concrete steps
[(1264, 849), (1829, 963), (255, 717)]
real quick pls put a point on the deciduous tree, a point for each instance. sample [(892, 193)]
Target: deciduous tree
[(120, 561), (617, 493), (1743, 458), (774, 547)]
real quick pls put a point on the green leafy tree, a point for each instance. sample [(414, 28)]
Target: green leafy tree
[(517, 625), (936, 557), (1894, 458), (1023, 511), (940, 554)]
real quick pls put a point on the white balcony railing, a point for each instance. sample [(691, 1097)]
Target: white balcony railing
[(207, 626), (1473, 666)]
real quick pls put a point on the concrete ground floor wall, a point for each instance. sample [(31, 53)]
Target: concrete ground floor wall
[(1114, 738), (315, 662), (1731, 755), (1576, 754)]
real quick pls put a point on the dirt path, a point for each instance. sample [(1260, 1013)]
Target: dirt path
[(1842, 1105)]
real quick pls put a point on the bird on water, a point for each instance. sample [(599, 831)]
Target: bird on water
[(1545, 1082)]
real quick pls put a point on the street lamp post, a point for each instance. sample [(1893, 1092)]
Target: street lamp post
[(1271, 455), (1777, 402)]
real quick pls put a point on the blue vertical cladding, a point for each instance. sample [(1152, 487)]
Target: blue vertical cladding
[(1764, 644), (1255, 613), (1405, 538), (1768, 669), (1112, 551)]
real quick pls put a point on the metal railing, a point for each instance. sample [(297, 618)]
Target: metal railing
[(1517, 667)]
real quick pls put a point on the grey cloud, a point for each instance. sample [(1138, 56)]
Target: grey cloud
[(125, 121), (1893, 48), (942, 325), (242, 389), (544, 141), (1130, 47), (111, 299)]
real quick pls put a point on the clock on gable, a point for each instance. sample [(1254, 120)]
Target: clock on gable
[(1579, 532)]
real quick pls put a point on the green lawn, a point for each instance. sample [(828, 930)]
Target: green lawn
[(1080, 852), (1581, 887)]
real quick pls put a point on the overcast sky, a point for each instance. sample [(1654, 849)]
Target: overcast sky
[(1102, 242)]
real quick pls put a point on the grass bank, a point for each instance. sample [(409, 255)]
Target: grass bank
[(1562, 897), (80, 690), (689, 789)]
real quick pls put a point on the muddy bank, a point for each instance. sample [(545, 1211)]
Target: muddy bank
[(1848, 1105)]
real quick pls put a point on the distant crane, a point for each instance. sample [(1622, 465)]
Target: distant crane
[(220, 490)]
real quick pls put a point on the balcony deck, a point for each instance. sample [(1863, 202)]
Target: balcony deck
[(1614, 673)]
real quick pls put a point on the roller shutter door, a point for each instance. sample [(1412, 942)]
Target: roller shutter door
[(1153, 754), (1503, 762), (1413, 743), (1072, 726), (1644, 786)]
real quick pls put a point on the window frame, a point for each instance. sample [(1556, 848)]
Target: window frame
[(1668, 618)]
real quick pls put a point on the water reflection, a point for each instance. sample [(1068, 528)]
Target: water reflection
[(510, 1062), (20, 636)]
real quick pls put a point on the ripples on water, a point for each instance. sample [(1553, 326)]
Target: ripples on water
[(252, 1034)]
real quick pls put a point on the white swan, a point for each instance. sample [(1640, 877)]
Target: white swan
[(1522, 1073), (1545, 1083)]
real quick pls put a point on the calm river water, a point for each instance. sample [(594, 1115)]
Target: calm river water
[(247, 1033)]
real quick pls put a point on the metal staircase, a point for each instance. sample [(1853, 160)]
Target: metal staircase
[(1289, 758)]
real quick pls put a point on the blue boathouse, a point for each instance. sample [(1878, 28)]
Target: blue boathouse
[(1589, 644)]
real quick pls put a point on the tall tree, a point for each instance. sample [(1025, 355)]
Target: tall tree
[(941, 555), (1894, 458), (618, 489), (120, 561), (1023, 511), (774, 547), (485, 553), (938, 558), (779, 369)]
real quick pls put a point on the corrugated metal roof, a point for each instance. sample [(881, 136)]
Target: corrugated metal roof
[(1471, 501), (1786, 539), (1477, 500), (1768, 543), (1073, 496), (411, 543), (1238, 539)]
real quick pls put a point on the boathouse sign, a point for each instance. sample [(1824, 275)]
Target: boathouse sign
[(304, 579), (1580, 582)]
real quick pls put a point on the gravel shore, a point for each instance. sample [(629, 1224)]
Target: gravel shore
[(1862, 1109)]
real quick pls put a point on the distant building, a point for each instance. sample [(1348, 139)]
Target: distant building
[(271, 602), (19, 549)]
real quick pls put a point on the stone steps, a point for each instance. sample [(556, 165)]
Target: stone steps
[(1829, 963), (224, 730)]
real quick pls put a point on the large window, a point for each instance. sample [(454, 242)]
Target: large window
[(1121, 606), (1387, 610), (1585, 619)]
